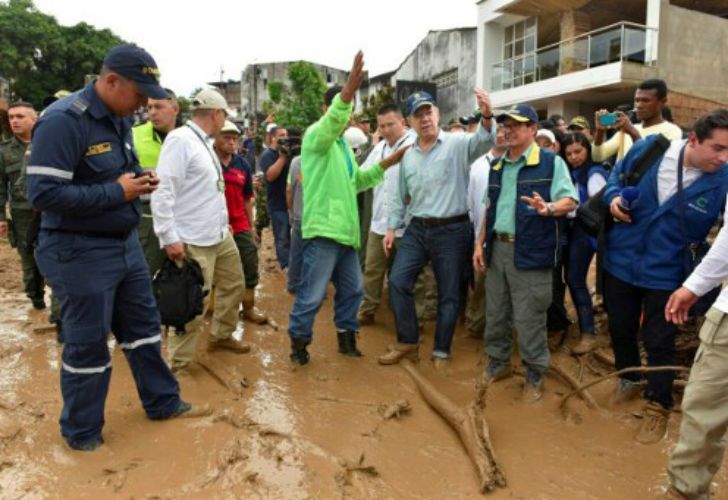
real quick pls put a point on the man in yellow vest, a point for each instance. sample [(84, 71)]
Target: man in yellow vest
[(148, 139)]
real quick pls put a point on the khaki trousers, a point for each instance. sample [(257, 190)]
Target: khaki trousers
[(222, 270), (699, 451), (376, 268)]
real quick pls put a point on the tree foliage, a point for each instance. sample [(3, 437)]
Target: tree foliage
[(299, 102), (371, 104), (39, 56)]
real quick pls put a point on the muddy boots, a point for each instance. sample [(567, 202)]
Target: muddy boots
[(347, 343), (654, 423), (249, 311), (299, 354), (398, 352)]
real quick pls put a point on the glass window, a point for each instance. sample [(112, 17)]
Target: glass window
[(530, 44), (509, 34), (518, 51), (519, 30)]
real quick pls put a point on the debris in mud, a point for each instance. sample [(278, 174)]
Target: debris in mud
[(272, 323), (343, 477), (237, 421), (119, 475), (43, 329), (230, 456), (394, 410), (469, 423), (10, 351)]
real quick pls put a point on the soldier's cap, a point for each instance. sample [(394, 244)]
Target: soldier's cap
[(229, 128), (137, 65), (211, 99), (579, 122), (416, 100), (522, 113)]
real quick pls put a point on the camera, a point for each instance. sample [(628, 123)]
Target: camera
[(291, 145)]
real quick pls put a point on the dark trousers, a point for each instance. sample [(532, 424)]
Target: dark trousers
[(103, 285), (625, 303), (447, 248), (281, 235), (579, 256)]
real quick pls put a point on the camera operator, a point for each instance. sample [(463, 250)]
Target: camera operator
[(649, 99), (274, 163)]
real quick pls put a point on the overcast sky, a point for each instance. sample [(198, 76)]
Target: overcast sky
[(191, 41)]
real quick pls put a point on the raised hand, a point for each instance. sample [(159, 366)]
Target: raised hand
[(356, 76)]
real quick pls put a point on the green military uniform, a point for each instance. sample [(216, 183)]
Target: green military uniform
[(12, 189), (148, 144)]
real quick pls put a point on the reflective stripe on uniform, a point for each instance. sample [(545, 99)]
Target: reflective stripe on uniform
[(87, 371), (51, 171), (133, 345)]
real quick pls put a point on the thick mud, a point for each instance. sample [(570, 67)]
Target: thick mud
[(314, 432)]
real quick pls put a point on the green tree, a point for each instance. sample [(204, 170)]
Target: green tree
[(39, 57), (300, 101)]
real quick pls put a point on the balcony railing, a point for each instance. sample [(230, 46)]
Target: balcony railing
[(618, 42)]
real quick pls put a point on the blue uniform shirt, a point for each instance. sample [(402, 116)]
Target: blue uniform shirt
[(78, 151)]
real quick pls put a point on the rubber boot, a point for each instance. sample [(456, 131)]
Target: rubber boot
[(347, 344), (299, 354), (249, 311)]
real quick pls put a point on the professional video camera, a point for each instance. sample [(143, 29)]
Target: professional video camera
[(291, 145)]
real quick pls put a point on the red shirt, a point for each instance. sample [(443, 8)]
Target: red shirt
[(238, 189)]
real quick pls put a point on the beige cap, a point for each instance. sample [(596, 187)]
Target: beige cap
[(211, 99), (229, 128)]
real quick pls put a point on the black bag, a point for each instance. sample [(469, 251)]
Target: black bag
[(594, 214), (179, 292), (694, 251)]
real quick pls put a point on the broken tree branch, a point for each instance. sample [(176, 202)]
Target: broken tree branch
[(571, 381), (470, 425)]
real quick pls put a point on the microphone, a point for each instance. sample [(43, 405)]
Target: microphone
[(629, 197)]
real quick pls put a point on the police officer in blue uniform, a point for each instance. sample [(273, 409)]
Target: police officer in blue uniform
[(84, 176)]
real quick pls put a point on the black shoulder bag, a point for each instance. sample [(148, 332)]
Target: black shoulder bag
[(694, 251), (179, 293), (594, 215)]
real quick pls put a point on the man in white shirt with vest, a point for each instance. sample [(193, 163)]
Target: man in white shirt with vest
[(191, 220)]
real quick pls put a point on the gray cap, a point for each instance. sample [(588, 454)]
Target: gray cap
[(211, 99)]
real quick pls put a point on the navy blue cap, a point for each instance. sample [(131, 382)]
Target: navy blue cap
[(417, 100), (137, 65), (521, 113)]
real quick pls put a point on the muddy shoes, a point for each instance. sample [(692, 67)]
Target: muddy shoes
[(365, 319), (186, 410), (586, 344), (250, 313), (229, 344), (626, 390), (398, 352), (347, 343), (533, 387), (654, 424), (85, 445), (299, 354), (498, 370)]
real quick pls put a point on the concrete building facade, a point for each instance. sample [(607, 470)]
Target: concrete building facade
[(573, 57), (230, 90)]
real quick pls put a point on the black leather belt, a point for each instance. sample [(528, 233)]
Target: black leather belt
[(505, 237), (95, 234), (441, 221)]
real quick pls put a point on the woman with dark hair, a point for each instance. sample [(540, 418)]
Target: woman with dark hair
[(589, 179)]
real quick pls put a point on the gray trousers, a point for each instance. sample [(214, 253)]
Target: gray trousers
[(516, 299)]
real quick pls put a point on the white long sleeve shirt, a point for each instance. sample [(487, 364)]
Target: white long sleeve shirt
[(383, 191), (712, 271), (479, 174), (189, 205)]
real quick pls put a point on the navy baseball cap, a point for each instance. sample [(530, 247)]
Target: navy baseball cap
[(521, 113), (417, 100), (137, 65)]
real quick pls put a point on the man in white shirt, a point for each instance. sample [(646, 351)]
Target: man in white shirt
[(649, 99), (701, 446), (191, 220), (390, 124)]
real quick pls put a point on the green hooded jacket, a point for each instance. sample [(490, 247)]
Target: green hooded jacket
[(331, 178)]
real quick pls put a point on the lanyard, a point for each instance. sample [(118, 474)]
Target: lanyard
[(215, 161), (394, 148)]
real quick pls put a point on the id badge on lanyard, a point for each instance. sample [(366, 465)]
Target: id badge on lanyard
[(215, 162)]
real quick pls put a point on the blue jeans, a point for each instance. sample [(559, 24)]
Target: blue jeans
[(579, 256), (295, 257), (281, 235), (325, 260), (448, 248)]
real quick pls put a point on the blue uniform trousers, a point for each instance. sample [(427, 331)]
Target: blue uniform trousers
[(103, 285)]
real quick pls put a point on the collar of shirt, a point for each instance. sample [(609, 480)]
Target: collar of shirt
[(197, 129), (521, 158), (440, 138), (96, 106)]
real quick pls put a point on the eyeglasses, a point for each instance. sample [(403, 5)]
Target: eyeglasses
[(513, 126)]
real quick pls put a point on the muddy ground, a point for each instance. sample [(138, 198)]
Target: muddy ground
[(313, 432)]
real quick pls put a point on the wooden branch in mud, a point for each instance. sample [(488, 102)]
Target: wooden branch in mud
[(470, 425), (572, 382), (638, 369)]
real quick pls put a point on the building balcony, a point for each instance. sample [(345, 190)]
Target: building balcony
[(616, 43)]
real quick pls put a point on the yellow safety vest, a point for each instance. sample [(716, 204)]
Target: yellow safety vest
[(147, 144)]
